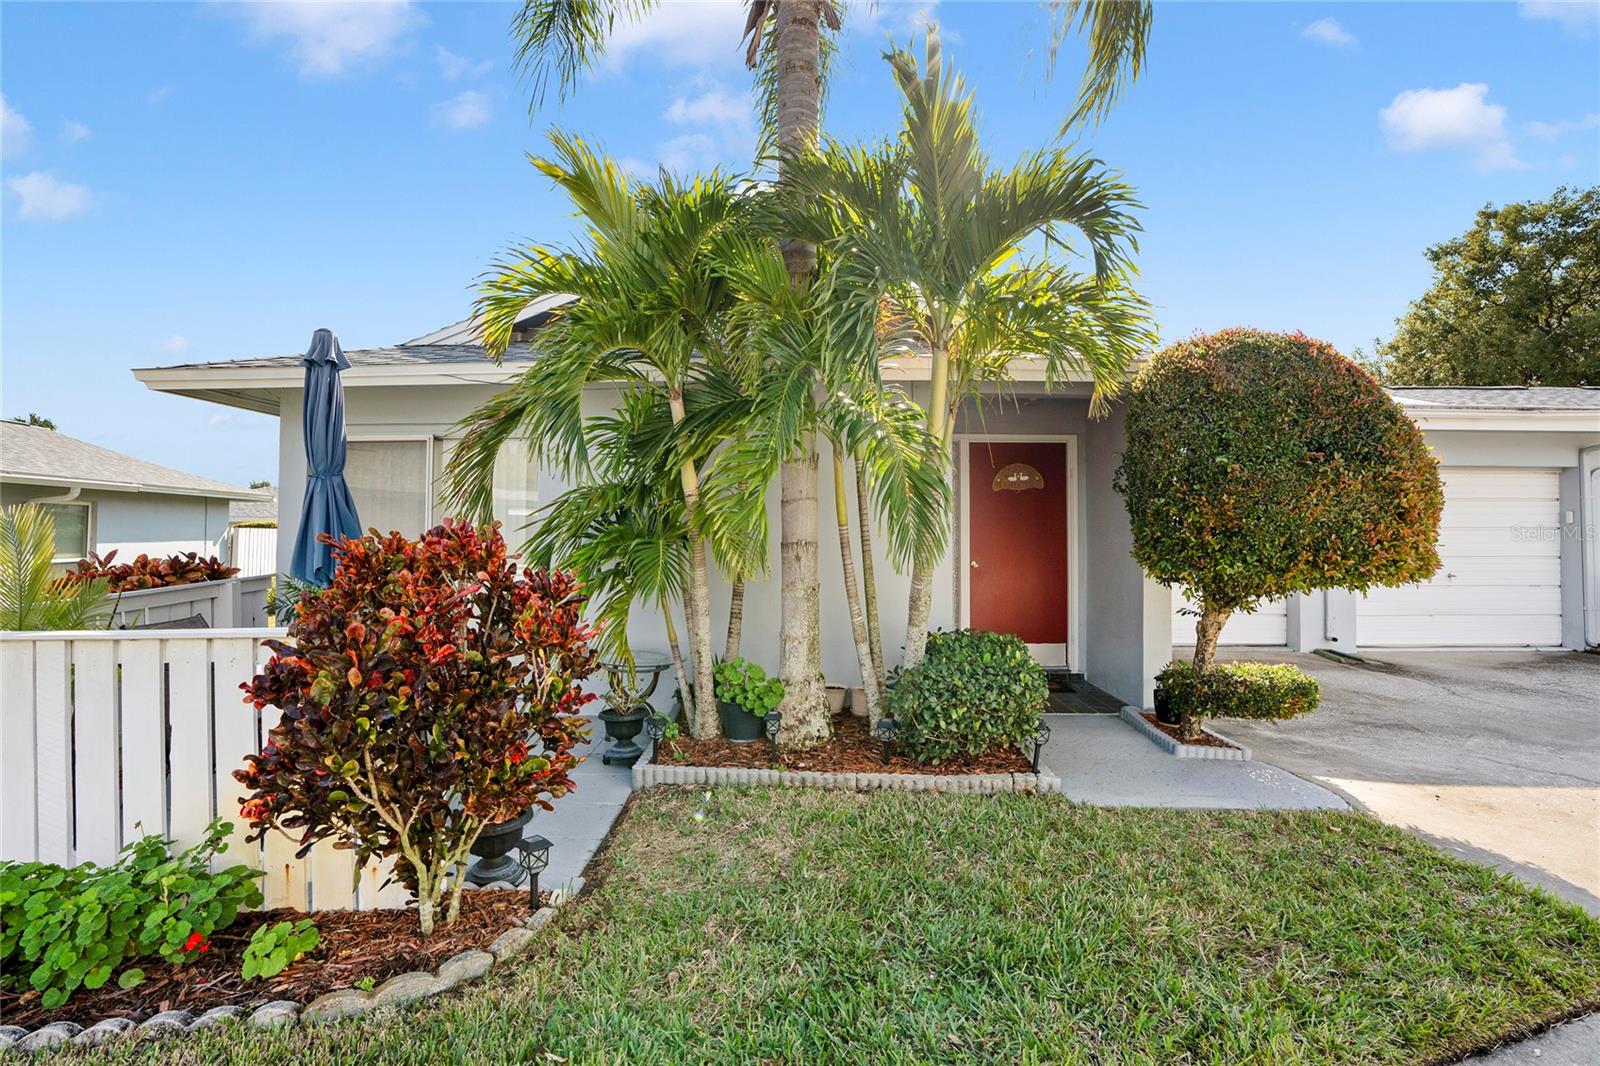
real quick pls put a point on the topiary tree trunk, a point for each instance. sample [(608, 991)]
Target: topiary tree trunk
[(1206, 632)]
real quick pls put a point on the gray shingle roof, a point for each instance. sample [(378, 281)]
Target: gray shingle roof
[(255, 510), (1501, 398), (397, 355), (28, 452)]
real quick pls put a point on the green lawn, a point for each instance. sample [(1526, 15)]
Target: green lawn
[(817, 927)]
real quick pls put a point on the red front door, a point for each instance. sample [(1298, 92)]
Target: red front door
[(1017, 558)]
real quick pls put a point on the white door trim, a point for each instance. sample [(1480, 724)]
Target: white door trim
[(1044, 653)]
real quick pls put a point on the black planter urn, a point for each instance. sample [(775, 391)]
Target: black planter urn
[(1164, 710), (623, 727), (493, 849)]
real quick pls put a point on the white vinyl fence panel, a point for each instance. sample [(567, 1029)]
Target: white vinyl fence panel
[(237, 603), (253, 549), (105, 736)]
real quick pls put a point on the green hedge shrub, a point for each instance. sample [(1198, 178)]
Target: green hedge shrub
[(1270, 691), (973, 692), (62, 928)]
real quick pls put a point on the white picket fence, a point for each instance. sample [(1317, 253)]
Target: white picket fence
[(236, 603), (106, 736)]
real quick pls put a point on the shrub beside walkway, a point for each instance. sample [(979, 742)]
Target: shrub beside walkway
[(808, 926)]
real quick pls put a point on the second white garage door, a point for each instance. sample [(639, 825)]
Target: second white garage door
[(1500, 582)]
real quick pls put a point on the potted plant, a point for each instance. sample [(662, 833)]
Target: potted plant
[(744, 696)]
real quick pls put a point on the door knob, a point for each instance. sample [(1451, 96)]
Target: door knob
[(974, 564)]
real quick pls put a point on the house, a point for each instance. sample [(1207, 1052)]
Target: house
[(1040, 544), (105, 501)]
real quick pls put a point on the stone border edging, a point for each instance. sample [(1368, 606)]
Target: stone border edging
[(398, 991), (647, 775), (1237, 753)]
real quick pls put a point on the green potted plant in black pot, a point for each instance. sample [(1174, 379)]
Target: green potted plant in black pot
[(744, 696)]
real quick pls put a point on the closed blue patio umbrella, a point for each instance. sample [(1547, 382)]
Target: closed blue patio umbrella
[(327, 507)]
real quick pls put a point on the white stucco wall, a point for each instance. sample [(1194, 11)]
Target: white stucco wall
[(134, 523)]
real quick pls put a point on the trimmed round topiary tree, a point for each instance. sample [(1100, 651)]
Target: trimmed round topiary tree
[(1262, 464)]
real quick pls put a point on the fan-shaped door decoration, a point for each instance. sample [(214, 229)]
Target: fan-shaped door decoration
[(1018, 477)]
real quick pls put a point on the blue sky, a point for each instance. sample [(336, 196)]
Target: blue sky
[(214, 181)]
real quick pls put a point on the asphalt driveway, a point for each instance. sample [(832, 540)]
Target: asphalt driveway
[(1492, 755)]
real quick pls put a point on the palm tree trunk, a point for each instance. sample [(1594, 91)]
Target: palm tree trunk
[(735, 621), (704, 722), (677, 657), (940, 421), (858, 622), (805, 703), (869, 579)]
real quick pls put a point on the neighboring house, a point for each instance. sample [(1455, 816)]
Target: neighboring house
[(1040, 544), (253, 534), (105, 501)]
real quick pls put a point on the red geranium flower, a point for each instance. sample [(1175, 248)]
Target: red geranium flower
[(196, 942)]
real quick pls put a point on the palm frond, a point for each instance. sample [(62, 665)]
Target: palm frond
[(32, 597), (564, 39), (1118, 32)]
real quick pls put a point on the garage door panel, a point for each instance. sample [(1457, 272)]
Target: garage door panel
[(1489, 570), (1500, 582), (1444, 631), (1451, 599)]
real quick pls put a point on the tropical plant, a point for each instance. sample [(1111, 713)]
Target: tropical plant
[(1264, 691), (786, 46), (184, 568), (1515, 300), (68, 927), (273, 948), (746, 685), (648, 309), (973, 692), (431, 690), (31, 595), (1263, 464), (931, 228)]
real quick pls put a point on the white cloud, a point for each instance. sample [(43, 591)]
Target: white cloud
[(714, 107), (453, 67), (328, 38), (1550, 131), (73, 132), (41, 197), (684, 33), (688, 154), (1328, 31), (1460, 118), (177, 344), (1576, 17), (464, 111), (158, 94), (897, 17), (16, 132)]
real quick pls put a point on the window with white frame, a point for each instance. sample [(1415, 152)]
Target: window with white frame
[(72, 530), (516, 487), (388, 480)]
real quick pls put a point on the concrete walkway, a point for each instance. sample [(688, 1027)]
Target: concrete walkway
[(582, 819), (1103, 760), (1577, 1043)]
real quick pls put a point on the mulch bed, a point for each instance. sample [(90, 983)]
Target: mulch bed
[(1204, 740), (353, 945), (852, 750)]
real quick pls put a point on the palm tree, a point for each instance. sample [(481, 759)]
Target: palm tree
[(818, 372), (928, 223), (785, 45), (648, 305), (32, 596)]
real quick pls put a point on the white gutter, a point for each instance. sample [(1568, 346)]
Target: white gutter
[(78, 484)]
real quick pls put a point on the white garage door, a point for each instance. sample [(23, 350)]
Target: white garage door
[(1269, 625), (1500, 582)]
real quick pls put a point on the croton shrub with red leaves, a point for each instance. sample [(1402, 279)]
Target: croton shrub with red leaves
[(1263, 464), (431, 690), (187, 568)]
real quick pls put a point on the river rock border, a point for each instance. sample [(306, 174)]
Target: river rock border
[(647, 775), (398, 991), (1236, 753)]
